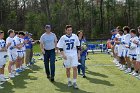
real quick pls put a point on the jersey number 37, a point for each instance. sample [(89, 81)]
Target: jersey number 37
[(70, 46)]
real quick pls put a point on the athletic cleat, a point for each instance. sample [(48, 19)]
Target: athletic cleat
[(135, 74), (75, 86), (16, 74), (127, 71), (69, 83), (122, 69), (18, 70), (11, 76), (1, 87), (1, 82), (118, 65), (138, 77), (26, 67), (132, 73), (3, 79)]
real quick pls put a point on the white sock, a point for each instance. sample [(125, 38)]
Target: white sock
[(74, 80), (129, 69), (2, 75), (123, 66), (69, 79)]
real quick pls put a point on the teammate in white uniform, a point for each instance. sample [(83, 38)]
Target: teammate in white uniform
[(133, 48), (138, 54), (69, 45), (3, 55), (11, 50), (126, 42), (116, 49), (116, 45), (19, 53), (120, 50), (21, 36)]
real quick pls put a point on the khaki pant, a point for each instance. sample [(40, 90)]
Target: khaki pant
[(27, 56), (31, 54)]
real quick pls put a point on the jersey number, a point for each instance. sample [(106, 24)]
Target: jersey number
[(70, 45)]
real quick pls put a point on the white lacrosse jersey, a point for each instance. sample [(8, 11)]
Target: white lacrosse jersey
[(13, 43), (127, 38), (138, 48), (23, 45), (69, 44), (2, 45), (132, 45)]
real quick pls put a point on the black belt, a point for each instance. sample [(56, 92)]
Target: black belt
[(49, 50)]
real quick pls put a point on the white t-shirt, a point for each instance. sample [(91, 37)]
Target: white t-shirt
[(48, 40), (69, 44), (13, 43)]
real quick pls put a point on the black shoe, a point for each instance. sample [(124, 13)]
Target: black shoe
[(48, 76), (84, 76), (52, 79)]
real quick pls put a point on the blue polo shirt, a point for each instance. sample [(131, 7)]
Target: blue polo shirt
[(29, 44)]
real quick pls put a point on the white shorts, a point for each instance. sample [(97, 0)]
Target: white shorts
[(12, 56), (120, 52), (116, 49), (126, 53), (138, 58), (20, 54), (24, 53), (72, 61), (3, 60), (133, 56)]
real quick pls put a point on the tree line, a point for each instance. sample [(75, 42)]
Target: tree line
[(95, 17)]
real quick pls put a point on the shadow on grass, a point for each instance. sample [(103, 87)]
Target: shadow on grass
[(35, 68), (99, 81), (19, 81), (96, 74), (64, 88)]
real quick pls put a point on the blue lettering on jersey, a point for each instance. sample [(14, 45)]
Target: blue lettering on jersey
[(70, 44), (14, 42)]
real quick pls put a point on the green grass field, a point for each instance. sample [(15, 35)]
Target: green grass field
[(102, 77)]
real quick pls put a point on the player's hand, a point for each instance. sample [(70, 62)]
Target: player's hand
[(135, 42), (43, 51), (127, 46), (64, 57), (3, 49)]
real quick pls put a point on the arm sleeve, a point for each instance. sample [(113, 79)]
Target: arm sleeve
[(41, 39), (8, 40), (77, 41), (55, 38), (60, 43)]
